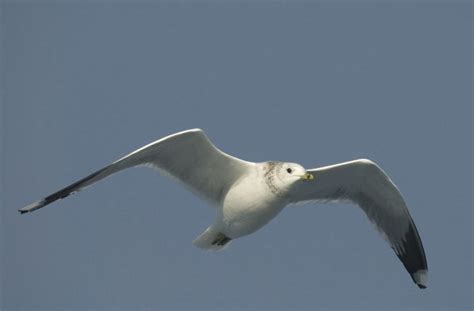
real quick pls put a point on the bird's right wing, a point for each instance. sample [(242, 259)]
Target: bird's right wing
[(364, 183), (187, 156)]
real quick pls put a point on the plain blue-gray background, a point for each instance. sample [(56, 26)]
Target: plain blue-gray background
[(311, 82)]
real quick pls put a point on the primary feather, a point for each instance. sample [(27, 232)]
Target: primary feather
[(364, 183)]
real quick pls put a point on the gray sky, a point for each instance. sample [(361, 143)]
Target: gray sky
[(309, 82)]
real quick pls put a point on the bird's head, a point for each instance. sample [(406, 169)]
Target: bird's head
[(281, 176)]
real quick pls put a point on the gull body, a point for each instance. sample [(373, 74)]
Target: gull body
[(242, 215), (248, 195)]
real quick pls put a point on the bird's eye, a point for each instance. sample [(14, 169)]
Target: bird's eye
[(289, 170)]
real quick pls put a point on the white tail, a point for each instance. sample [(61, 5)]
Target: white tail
[(212, 240)]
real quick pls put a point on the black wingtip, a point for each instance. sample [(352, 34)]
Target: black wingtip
[(33, 207), (412, 255), (420, 278)]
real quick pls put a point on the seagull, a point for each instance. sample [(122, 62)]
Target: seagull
[(248, 195)]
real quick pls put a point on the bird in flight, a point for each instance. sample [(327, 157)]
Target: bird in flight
[(248, 195)]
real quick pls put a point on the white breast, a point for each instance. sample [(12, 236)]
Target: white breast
[(248, 206)]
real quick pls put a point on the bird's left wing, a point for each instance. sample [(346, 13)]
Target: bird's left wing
[(364, 183), (187, 156)]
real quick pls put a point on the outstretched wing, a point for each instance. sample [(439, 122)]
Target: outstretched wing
[(365, 184), (188, 156)]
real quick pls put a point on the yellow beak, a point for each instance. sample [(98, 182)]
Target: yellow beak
[(307, 176)]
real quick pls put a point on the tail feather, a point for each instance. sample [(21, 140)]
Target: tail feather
[(212, 240)]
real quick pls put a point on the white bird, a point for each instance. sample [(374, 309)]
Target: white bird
[(248, 195)]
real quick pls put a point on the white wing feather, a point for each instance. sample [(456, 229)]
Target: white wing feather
[(365, 184), (187, 156)]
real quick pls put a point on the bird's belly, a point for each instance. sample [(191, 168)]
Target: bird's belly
[(244, 212)]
